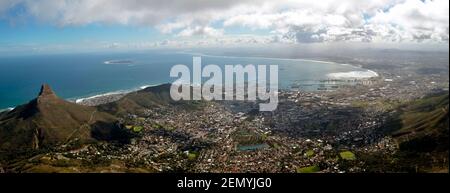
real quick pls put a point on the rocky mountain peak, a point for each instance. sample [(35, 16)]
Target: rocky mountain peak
[(46, 91)]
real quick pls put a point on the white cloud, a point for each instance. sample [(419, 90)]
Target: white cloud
[(221, 41), (200, 31), (417, 20), (288, 20), (6, 4), (410, 20)]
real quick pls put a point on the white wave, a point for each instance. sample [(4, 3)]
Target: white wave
[(260, 57), (113, 93), (7, 109), (149, 85), (99, 95), (353, 75)]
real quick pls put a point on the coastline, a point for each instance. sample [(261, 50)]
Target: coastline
[(116, 95), (97, 99), (271, 58), (363, 73), (107, 97), (103, 98), (7, 109), (94, 99)]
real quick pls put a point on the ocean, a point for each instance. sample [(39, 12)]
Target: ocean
[(75, 76)]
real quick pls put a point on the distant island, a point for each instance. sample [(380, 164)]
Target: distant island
[(118, 62)]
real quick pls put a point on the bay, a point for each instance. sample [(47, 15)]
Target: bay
[(75, 76)]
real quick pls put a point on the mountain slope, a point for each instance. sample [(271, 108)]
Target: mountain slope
[(422, 134), (48, 120), (424, 124), (151, 97)]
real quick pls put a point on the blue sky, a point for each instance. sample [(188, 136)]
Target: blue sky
[(54, 25), (42, 33)]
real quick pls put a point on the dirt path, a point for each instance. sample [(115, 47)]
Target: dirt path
[(83, 125)]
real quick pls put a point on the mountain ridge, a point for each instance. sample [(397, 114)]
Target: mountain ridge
[(49, 120)]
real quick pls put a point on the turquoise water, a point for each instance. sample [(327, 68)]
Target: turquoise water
[(75, 76), (252, 147)]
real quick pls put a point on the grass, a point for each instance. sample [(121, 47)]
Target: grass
[(129, 126), (379, 104), (347, 155), (275, 145), (424, 115), (309, 153), (309, 169), (161, 126), (264, 136), (192, 156), (169, 128), (137, 129), (156, 126)]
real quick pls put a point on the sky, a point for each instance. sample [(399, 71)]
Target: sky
[(50, 26)]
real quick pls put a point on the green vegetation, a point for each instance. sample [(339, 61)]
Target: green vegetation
[(129, 126), (169, 128), (423, 116), (62, 163), (150, 97), (137, 129), (162, 126), (58, 121), (309, 153), (421, 131), (309, 169), (192, 155), (50, 164), (275, 145), (264, 136), (156, 126), (347, 155), (382, 105)]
